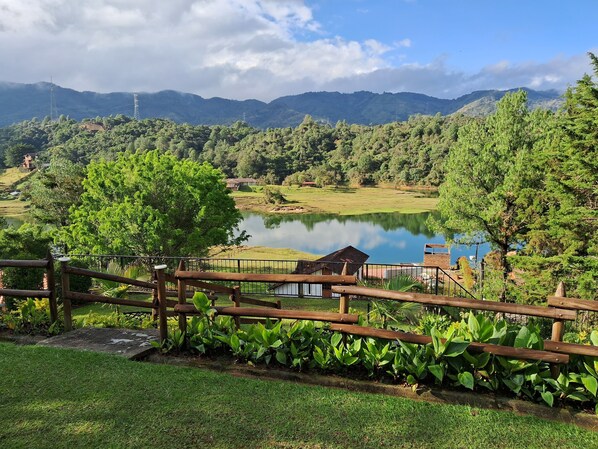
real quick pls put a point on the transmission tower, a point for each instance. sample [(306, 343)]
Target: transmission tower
[(135, 107), (53, 109)]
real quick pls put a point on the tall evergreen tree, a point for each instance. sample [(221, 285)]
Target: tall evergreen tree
[(489, 180)]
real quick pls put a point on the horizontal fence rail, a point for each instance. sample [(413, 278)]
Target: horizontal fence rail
[(506, 351), (434, 280), (49, 288), (475, 304), (336, 280)]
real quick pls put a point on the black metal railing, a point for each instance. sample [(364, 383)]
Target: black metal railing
[(432, 279)]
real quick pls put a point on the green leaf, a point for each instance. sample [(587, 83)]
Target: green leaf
[(594, 338), (473, 325), (466, 379), (281, 357), (456, 348), (590, 383), (514, 387), (548, 397), (348, 361), (523, 337), (336, 339), (437, 371), (201, 302), (577, 396)]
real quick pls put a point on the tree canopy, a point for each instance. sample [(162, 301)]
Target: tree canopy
[(490, 179), (152, 204)]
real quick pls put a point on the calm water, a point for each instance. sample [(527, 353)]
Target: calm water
[(387, 238)]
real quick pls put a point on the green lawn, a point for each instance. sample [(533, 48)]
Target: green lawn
[(53, 398), (316, 304), (341, 201)]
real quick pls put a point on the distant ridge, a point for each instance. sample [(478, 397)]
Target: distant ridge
[(20, 102)]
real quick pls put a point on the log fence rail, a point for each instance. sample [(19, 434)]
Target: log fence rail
[(560, 308)]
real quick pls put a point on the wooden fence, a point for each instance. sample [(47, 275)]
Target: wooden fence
[(48, 292), (267, 309), (559, 307)]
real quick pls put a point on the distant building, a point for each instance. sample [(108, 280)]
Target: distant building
[(239, 183), (93, 126), (332, 263), (438, 255), (29, 161)]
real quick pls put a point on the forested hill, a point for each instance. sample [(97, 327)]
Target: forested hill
[(20, 102)]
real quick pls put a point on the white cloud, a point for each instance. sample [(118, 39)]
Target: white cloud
[(405, 43), (228, 48)]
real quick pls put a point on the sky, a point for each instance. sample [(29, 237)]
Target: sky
[(264, 49)]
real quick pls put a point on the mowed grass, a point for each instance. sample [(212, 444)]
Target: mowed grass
[(341, 201), (53, 398), (262, 253)]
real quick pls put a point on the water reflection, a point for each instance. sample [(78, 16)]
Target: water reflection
[(387, 238)]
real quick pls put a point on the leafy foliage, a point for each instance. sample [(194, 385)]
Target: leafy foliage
[(446, 361), (26, 242), (152, 204), (30, 316)]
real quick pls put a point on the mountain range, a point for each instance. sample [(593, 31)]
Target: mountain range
[(25, 101)]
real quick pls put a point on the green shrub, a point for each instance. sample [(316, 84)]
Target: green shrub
[(446, 361), (30, 316)]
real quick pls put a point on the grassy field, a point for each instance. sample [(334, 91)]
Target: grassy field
[(10, 176), (54, 398), (261, 252), (341, 201), (12, 208)]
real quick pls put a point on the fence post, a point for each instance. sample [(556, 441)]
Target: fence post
[(236, 298), (436, 289), (52, 288), (344, 299), (159, 269), (558, 327), (155, 298), (182, 290), (66, 287)]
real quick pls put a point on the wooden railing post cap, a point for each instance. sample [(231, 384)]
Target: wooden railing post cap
[(160, 267), (64, 259)]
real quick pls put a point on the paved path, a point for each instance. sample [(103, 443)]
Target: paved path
[(132, 344)]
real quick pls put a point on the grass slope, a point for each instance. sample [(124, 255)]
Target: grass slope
[(12, 208), (55, 398), (341, 201)]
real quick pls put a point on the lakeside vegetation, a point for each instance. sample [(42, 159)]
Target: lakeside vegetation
[(111, 402)]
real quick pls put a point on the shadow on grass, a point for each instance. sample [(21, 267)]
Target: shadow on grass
[(59, 399)]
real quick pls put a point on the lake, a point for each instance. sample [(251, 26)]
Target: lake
[(386, 237)]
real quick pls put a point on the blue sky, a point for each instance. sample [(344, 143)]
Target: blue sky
[(469, 34), (268, 48)]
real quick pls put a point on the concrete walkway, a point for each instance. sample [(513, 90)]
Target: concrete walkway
[(132, 344)]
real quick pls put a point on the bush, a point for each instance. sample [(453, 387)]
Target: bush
[(273, 195), (31, 316)]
